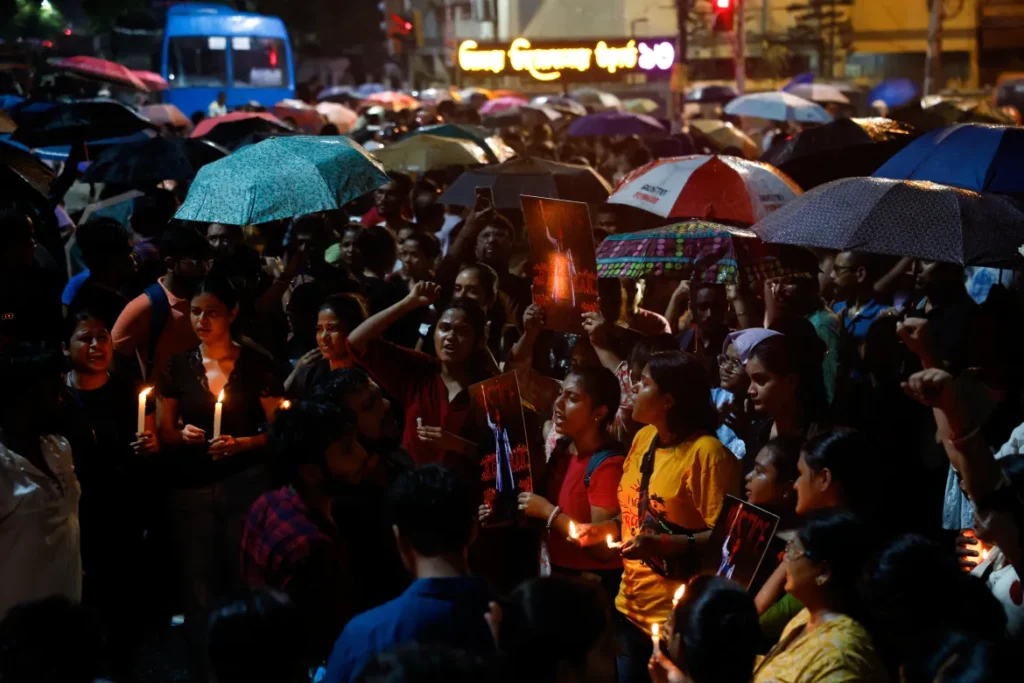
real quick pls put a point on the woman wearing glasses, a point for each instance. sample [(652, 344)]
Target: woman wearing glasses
[(824, 642)]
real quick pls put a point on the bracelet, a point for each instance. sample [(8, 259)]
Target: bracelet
[(960, 440), (554, 513)]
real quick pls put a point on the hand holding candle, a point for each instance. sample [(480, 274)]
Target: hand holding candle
[(218, 412), (141, 427), (680, 592), (656, 640), (611, 543), (574, 535)]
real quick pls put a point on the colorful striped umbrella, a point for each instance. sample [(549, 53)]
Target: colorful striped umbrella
[(712, 187), (698, 250)]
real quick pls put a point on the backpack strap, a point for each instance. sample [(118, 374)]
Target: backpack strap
[(609, 451), (161, 312)]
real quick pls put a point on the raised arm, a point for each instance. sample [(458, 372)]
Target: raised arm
[(421, 295), (599, 331)]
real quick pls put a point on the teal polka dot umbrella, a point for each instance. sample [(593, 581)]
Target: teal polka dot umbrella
[(695, 249)]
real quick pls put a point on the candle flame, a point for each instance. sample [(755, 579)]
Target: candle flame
[(145, 392), (286, 404), (609, 541), (655, 629), (220, 396), (984, 554), (573, 533), (680, 592)]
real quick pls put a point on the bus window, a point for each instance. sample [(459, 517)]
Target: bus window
[(197, 61), (259, 62)]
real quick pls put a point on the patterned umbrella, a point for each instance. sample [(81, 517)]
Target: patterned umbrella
[(718, 188), (422, 153), (153, 81), (165, 115), (103, 70), (901, 218), (282, 178), (703, 251), (500, 104)]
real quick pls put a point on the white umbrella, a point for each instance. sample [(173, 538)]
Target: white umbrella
[(819, 92), (778, 106)]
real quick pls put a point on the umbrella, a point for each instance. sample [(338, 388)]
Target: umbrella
[(495, 148), (643, 105), (434, 95), (973, 156), (421, 153), (932, 113), (531, 176), (21, 169), (712, 93), (501, 104), (67, 123), (338, 114), (201, 152), (153, 81), (895, 92), (7, 124), (304, 116), (725, 189), (725, 136), (165, 115), (841, 149), (564, 105), (819, 92), (141, 165), (231, 129), (367, 89), (912, 218), (396, 101), (615, 123), (337, 93), (282, 178), (523, 115), (778, 106), (467, 94), (118, 208), (597, 100), (102, 70), (701, 250)]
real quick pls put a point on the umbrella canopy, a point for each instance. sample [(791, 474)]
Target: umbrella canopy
[(615, 123), (434, 95), (698, 250), (932, 113), (819, 92), (67, 123), (102, 70), (642, 105), (501, 104), (531, 176), (141, 165), (725, 136), (338, 114), (343, 94), (842, 149), (165, 115), (560, 104), (468, 93), (304, 116), (895, 92), (367, 89), (282, 178), (598, 100), (395, 101), (522, 115), (200, 152), (21, 170), (901, 218), (237, 129), (725, 189), (422, 153), (712, 93), (153, 81), (973, 156), (118, 208), (495, 148), (778, 106), (7, 124)]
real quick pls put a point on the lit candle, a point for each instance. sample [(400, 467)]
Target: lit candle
[(285, 404), (573, 533), (611, 543), (218, 411), (142, 409), (680, 592), (984, 554), (655, 640)]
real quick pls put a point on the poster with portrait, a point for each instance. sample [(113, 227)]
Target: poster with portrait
[(742, 534), (497, 414), (563, 262)]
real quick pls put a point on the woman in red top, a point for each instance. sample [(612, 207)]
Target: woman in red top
[(583, 475), (432, 392)]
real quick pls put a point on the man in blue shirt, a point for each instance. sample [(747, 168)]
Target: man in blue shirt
[(853, 275), (432, 513)]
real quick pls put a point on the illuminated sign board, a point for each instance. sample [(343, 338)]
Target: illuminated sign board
[(548, 62)]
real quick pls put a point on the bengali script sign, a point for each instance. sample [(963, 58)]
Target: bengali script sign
[(549, 62)]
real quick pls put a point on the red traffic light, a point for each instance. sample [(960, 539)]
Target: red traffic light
[(723, 19), (723, 4), (400, 25)]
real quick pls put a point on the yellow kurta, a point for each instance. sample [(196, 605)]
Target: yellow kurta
[(687, 489)]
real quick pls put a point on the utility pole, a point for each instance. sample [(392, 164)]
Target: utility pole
[(740, 48), (680, 70), (933, 56)]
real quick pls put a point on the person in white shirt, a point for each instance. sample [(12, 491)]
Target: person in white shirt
[(219, 107), (39, 492)]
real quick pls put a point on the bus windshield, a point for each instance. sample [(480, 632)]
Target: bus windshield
[(197, 61), (258, 62)]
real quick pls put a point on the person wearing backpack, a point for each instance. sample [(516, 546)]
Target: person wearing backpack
[(155, 325), (582, 478)]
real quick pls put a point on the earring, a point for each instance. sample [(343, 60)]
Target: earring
[(820, 580)]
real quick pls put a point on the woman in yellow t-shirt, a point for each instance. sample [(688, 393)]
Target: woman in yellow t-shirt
[(674, 482)]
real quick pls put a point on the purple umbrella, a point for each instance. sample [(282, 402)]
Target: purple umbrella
[(615, 123)]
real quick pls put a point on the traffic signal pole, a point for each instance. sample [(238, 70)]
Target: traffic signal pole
[(740, 48), (680, 70)]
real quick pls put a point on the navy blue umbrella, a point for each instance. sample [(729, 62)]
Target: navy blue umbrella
[(973, 156), (615, 123), (895, 92)]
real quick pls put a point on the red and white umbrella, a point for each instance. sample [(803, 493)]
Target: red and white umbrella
[(103, 70), (151, 80), (719, 188)]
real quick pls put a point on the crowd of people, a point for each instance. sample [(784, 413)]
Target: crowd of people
[(266, 429)]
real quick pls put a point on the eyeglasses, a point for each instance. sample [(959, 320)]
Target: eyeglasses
[(195, 263), (730, 364), (793, 553)]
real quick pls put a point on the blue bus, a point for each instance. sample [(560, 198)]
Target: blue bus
[(210, 48)]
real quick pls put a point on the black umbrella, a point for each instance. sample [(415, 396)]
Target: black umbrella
[(235, 134), (201, 152), (530, 176), (23, 172), (844, 148), (947, 112), (52, 124), (712, 93), (141, 165), (901, 218)]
